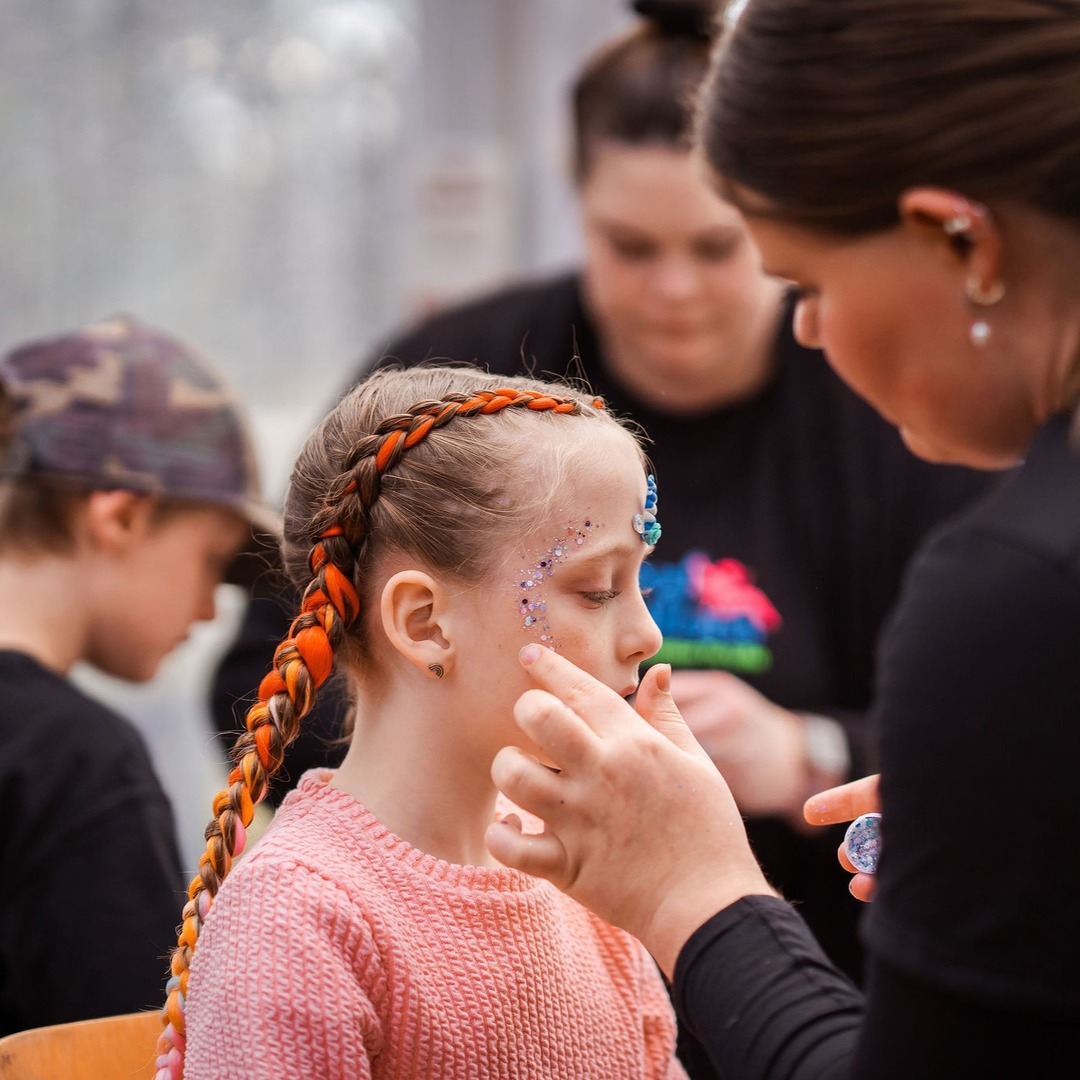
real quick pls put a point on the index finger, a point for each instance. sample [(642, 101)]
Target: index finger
[(843, 803), (597, 705)]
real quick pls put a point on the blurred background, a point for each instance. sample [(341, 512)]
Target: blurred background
[(283, 183)]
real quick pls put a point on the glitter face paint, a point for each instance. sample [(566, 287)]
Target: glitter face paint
[(531, 605)]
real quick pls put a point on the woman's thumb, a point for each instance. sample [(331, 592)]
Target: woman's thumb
[(655, 704)]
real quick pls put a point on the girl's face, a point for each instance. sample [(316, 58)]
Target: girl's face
[(890, 313), (671, 276), (571, 585)]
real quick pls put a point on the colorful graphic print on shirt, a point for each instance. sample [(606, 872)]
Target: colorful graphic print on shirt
[(711, 613)]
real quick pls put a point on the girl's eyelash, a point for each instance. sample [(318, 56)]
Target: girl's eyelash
[(600, 598), (646, 592)]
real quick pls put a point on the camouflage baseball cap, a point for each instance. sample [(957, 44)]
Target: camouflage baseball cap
[(119, 404)]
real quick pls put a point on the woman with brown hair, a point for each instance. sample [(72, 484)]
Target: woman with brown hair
[(915, 169)]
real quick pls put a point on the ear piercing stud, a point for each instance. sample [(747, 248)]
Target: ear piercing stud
[(436, 670), (957, 225), (985, 296)]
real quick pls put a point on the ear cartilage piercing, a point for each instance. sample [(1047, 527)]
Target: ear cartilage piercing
[(862, 843), (436, 670), (957, 225)]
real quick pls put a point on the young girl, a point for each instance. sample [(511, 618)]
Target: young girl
[(127, 483), (441, 519)]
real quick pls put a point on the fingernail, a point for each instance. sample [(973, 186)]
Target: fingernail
[(663, 678), (529, 654)]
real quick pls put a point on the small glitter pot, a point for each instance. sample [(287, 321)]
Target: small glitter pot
[(862, 843)]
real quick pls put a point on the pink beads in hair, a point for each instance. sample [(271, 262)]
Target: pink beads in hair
[(239, 838), (170, 1066)]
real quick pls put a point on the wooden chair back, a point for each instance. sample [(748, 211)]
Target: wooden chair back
[(112, 1048)]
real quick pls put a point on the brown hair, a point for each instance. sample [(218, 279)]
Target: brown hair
[(441, 463), (830, 110), (639, 89), (34, 515)]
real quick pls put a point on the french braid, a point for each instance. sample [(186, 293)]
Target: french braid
[(305, 658)]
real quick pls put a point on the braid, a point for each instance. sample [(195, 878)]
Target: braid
[(304, 660)]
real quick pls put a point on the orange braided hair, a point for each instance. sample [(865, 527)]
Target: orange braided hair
[(304, 660)]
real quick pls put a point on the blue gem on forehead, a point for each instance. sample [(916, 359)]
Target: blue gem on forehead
[(646, 523)]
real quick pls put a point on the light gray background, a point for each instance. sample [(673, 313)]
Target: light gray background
[(282, 182)]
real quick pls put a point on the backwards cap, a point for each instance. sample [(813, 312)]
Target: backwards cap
[(121, 405)]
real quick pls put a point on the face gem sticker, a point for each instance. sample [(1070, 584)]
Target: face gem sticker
[(645, 523), (531, 605)]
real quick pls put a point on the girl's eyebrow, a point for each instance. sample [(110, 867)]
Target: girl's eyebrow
[(617, 550)]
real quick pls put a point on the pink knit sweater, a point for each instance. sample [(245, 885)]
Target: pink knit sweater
[(335, 949)]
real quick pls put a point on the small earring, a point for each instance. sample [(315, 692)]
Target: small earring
[(436, 670), (986, 296), (957, 225), (980, 332)]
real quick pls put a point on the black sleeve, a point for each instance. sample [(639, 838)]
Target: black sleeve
[(755, 988), (757, 991)]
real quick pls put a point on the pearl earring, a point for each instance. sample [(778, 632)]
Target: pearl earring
[(983, 296)]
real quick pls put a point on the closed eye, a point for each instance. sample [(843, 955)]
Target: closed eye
[(600, 598)]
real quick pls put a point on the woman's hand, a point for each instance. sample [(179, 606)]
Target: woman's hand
[(640, 827), (844, 803)]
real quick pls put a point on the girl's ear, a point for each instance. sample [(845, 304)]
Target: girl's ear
[(413, 608), (967, 227), (115, 521)]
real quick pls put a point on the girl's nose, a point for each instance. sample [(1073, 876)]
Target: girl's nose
[(643, 635)]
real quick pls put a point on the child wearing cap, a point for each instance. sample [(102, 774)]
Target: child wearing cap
[(128, 487)]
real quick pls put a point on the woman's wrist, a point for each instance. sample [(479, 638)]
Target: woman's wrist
[(683, 910)]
